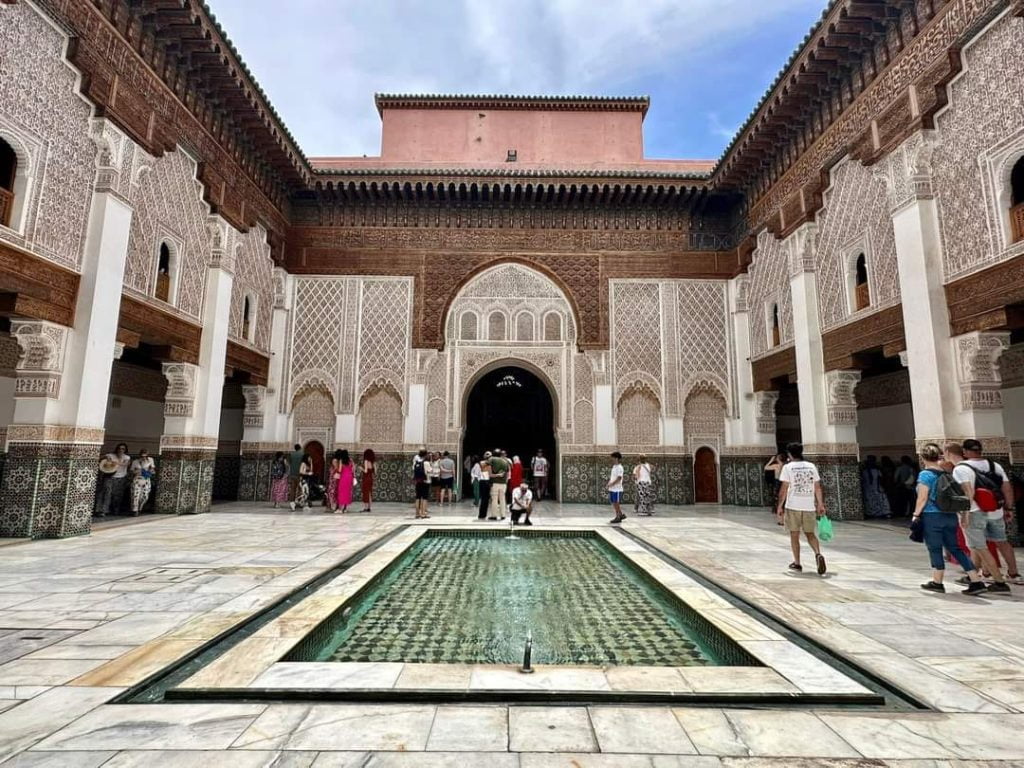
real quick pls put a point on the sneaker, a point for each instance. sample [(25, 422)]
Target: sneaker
[(796, 567), (965, 580), (615, 520), (820, 560), (527, 523), (292, 505), (933, 586), (975, 588), (999, 588)]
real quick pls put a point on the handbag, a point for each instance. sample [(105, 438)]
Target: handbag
[(917, 529)]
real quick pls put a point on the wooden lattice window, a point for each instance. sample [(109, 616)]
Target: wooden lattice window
[(163, 273), (1017, 201), (862, 294), (776, 328)]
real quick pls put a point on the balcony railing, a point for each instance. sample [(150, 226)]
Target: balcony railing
[(1017, 222), (6, 206)]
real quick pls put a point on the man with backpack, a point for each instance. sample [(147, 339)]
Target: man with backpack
[(987, 485)]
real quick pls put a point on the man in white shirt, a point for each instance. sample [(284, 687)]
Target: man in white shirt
[(522, 504), (615, 487), (113, 495), (801, 503), (539, 465), (974, 473)]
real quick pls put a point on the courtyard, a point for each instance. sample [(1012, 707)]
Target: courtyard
[(85, 620)]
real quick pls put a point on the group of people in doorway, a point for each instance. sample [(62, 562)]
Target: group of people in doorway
[(962, 503), (294, 480), (124, 481)]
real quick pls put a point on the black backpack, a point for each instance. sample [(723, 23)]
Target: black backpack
[(947, 493), (989, 480)]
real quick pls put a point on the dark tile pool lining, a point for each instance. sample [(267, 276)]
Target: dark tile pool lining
[(160, 686), (723, 646)]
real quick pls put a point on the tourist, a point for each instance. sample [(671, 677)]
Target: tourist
[(346, 481), (499, 481), (800, 505), (978, 529), (422, 483), (644, 504), (369, 468), (279, 479), (876, 505), (474, 476), (115, 465), (615, 487), (333, 476), (772, 470), (485, 486), (515, 477), (143, 470), (939, 526), (446, 474), (539, 467), (905, 482), (305, 476), (294, 462), (522, 504), (992, 497), (433, 470)]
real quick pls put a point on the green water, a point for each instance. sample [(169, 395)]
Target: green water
[(473, 599)]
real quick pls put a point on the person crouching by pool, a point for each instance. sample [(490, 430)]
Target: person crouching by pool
[(522, 504), (615, 487), (801, 503)]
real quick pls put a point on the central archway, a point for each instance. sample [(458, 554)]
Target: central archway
[(510, 407)]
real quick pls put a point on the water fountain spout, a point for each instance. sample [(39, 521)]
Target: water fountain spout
[(527, 653), (511, 528)]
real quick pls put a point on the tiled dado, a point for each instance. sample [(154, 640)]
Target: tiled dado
[(254, 475), (186, 481), (840, 482), (227, 477), (585, 478), (48, 489), (743, 481)]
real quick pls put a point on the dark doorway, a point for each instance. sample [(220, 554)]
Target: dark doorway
[(705, 477), (315, 449), (511, 408)]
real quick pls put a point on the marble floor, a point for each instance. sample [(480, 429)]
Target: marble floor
[(83, 619)]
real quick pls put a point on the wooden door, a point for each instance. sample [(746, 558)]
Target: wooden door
[(315, 449), (705, 477)]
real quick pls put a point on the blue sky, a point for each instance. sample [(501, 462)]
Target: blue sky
[(704, 63)]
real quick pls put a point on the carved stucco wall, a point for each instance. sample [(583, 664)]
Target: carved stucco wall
[(984, 119), (254, 270), (855, 219), (347, 335), (47, 122), (704, 418), (638, 417), (380, 417), (169, 207), (769, 283)]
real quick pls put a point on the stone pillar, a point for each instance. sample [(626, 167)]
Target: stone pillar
[(63, 377), (188, 447), (828, 411), (265, 426), (955, 392), (750, 432)]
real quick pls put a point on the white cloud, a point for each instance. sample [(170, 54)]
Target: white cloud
[(321, 61)]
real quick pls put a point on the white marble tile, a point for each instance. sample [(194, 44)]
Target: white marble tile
[(30, 721), (45, 671), (932, 687), (736, 680), (435, 676), (507, 678), (805, 671), (416, 760), (538, 760), (340, 727), (966, 669), (60, 760), (711, 732), (72, 650), (640, 730), (295, 674), (469, 729), (550, 729), (236, 758), (156, 726), (787, 734), (660, 679), (930, 735)]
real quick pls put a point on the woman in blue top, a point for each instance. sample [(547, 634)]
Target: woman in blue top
[(940, 527)]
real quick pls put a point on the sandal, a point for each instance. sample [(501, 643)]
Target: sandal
[(796, 567)]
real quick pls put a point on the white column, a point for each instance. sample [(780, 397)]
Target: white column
[(604, 415), (752, 426), (416, 415), (954, 381)]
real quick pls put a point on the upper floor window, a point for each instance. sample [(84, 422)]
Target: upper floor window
[(862, 294), (496, 327), (8, 172), (163, 273), (468, 329), (552, 327), (776, 328), (1017, 201)]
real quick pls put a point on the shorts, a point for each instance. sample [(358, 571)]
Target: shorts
[(805, 520), (422, 490), (614, 496), (981, 528), (447, 482)]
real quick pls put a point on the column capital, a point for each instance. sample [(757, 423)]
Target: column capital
[(977, 356), (181, 389), (222, 245), (840, 398), (907, 170), (41, 366), (111, 143), (741, 284), (802, 245), (764, 409)]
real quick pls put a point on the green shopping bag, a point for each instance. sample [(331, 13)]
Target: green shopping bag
[(825, 532)]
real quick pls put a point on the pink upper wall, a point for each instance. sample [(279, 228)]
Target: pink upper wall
[(484, 136)]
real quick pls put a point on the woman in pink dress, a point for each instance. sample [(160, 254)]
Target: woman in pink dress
[(346, 480)]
